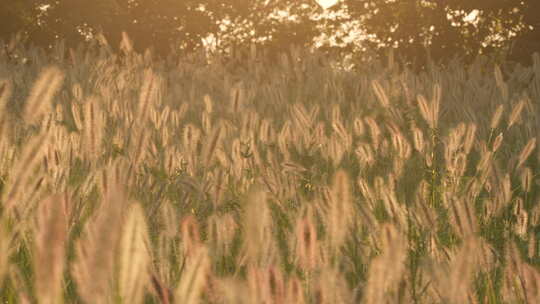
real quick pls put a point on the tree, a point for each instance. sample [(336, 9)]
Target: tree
[(529, 41), (417, 29), (440, 28), (274, 26), (150, 23), (16, 16), (161, 24)]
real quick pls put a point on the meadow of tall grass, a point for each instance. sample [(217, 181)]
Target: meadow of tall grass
[(125, 179)]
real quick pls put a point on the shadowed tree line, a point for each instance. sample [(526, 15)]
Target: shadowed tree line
[(418, 30), (501, 28)]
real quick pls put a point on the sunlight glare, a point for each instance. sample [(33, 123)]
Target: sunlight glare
[(471, 17), (327, 3)]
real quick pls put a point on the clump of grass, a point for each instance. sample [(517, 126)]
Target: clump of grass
[(129, 180)]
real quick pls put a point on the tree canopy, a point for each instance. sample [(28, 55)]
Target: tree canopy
[(449, 27), (416, 29)]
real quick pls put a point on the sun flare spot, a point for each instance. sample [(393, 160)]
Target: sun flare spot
[(327, 3)]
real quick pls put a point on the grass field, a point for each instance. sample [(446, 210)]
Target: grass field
[(127, 180)]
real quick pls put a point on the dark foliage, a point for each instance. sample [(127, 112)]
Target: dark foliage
[(418, 30)]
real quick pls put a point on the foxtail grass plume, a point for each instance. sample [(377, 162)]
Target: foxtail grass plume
[(266, 285), (295, 291), (5, 249), (429, 111), (522, 276), (258, 244), (96, 251), (526, 178), (23, 170), (380, 93), (374, 130), (463, 218), (93, 128), (526, 152), (50, 250), (134, 260), (211, 143), (237, 97), (386, 270), (191, 239), (221, 233), (496, 118), (6, 89), (497, 142), (331, 287), (307, 247), (516, 112), (126, 45), (340, 211), (499, 80), (149, 95), (455, 284), (192, 281), (358, 127), (40, 100)]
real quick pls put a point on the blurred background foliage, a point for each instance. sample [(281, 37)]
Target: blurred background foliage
[(417, 30)]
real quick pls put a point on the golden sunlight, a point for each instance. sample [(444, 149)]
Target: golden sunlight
[(327, 3)]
